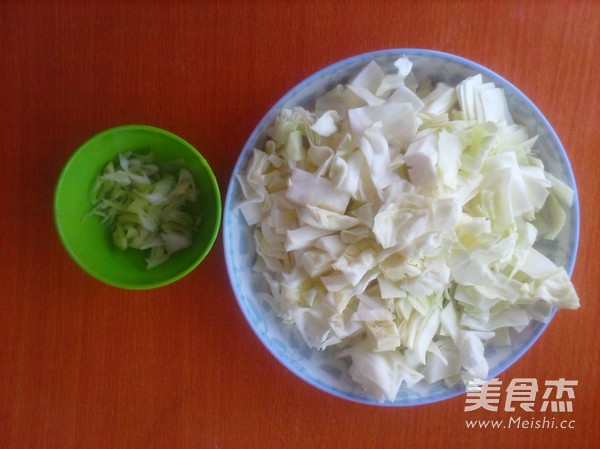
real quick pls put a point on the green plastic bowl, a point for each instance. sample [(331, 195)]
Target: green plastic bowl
[(88, 241)]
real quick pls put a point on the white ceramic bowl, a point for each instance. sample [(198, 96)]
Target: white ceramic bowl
[(320, 368)]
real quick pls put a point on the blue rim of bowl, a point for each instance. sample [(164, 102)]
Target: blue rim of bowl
[(409, 52), (209, 243)]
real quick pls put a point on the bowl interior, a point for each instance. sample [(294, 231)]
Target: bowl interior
[(87, 239), (320, 368)]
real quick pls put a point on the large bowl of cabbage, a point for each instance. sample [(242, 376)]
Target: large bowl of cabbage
[(401, 226)]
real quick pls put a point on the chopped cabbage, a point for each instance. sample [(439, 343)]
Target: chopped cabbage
[(145, 205), (395, 226)]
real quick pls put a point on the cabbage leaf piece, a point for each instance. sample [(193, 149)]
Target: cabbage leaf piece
[(146, 206), (395, 225)]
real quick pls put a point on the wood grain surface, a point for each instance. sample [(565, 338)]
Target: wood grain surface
[(85, 365)]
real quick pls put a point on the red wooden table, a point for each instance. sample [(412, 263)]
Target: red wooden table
[(85, 365)]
